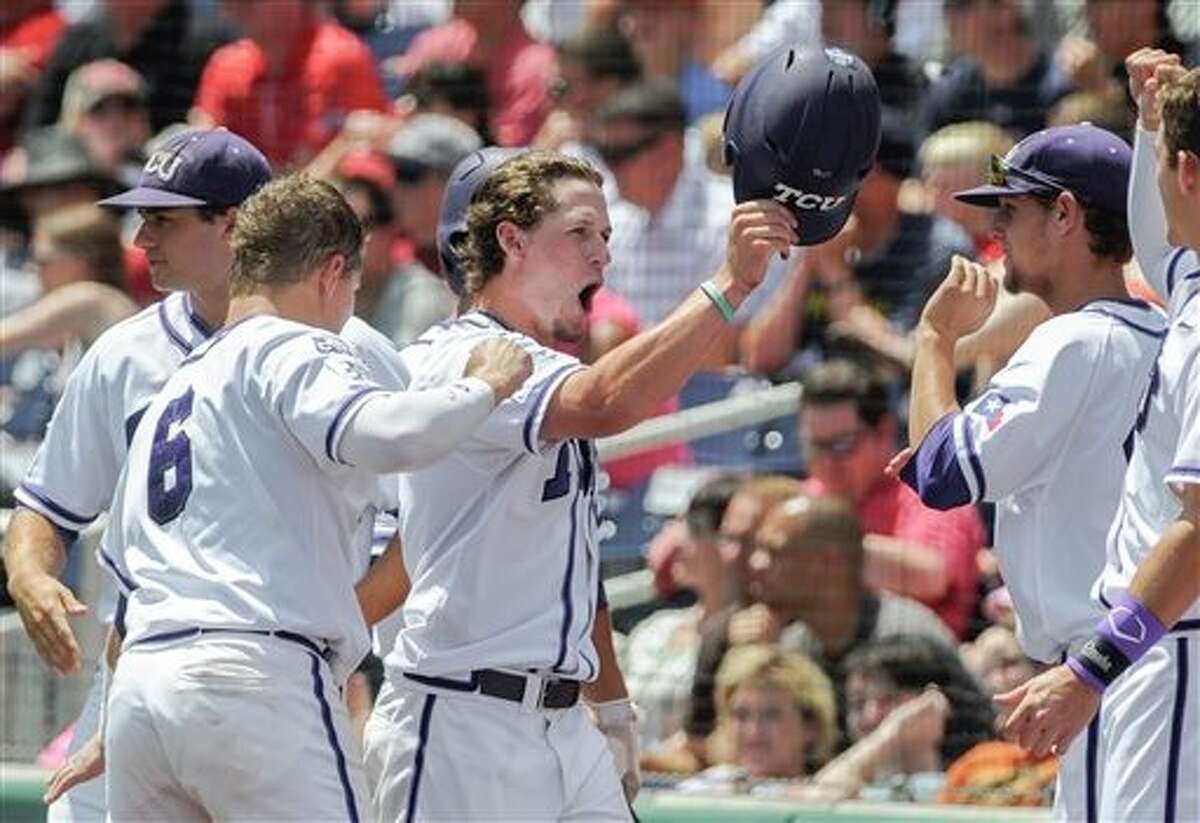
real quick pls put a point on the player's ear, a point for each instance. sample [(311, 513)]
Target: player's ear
[(228, 219), (330, 273), (1187, 171), (511, 238)]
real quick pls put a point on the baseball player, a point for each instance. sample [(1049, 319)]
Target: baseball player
[(233, 524), (480, 714), (1139, 656), (189, 192), (1049, 437)]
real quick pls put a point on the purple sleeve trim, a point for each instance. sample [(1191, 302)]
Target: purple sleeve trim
[(37, 500), (535, 408), (934, 472), (332, 434)]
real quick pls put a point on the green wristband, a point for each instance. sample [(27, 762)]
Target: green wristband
[(714, 294)]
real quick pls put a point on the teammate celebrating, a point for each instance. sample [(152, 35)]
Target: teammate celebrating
[(498, 625), (1047, 439), (1138, 657), (232, 527), (188, 195)]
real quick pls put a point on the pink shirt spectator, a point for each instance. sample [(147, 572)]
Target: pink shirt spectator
[(892, 509), (292, 115), (519, 72)]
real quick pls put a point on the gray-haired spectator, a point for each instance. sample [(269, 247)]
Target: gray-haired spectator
[(423, 153), (105, 105)]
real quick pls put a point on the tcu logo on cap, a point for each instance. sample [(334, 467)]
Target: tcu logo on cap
[(163, 164), (805, 200)]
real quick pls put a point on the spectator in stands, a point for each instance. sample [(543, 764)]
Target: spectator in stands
[(1001, 74), (866, 28), (455, 90), (664, 34), (290, 83), (593, 67), (949, 712), (423, 153), (848, 431), (660, 657), (671, 218), (79, 260), (165, 41), (865, 287), (955, 158), (50, 169), (806, 578), (29, 32), (776, 719), (794, 23), (104, 103), (1115, 28), (489, 35), (1108, 109), (80, 263), (996, 659), (752, 501)]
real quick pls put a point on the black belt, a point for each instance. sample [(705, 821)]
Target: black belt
[(282, 634), (555, 692)]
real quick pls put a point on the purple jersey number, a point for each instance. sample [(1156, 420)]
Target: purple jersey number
[(170, 460)]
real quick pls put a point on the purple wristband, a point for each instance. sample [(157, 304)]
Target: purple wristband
[(1131, 627), (1126, 633)]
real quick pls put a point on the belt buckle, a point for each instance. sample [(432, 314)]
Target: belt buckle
[(543, 687)]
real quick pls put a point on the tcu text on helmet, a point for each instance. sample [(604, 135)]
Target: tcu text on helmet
[(804, 200), (162, 164)]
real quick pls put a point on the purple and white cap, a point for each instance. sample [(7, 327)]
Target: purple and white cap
[(197, 167), (1088, 161)]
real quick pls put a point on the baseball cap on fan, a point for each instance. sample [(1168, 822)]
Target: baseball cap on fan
[(802, 128), (1090, 162), (197, 167), (465, 179)]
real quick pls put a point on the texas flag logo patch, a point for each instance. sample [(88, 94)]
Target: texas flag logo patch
[(991, 408)]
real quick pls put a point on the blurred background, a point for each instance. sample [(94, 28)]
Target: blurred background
[(732, 636)]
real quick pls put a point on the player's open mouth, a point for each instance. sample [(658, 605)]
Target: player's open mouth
[(586, 295)]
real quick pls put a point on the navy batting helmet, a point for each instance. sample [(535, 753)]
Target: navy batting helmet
[(464, 181), (803, 128)]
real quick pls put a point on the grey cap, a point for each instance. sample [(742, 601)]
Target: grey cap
[(431, 142)]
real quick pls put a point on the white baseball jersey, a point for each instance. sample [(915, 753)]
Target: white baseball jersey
[(500, 536), (1167, 440), (234, 509), (1048, 441), (74, 473)]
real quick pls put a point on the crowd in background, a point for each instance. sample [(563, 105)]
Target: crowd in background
[(821, 622)]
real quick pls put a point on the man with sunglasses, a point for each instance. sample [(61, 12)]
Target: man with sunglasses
[(1049, 438), (848, 431)]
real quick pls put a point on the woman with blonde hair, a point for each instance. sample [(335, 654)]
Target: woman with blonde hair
[(776, 717)]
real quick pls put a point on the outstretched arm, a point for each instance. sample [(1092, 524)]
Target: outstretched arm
[(629, 383)]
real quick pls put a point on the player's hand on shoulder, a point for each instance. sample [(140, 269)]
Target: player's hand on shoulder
[(757, 229), (45, 604), (501, 364), (1148, 69), (963, 301)]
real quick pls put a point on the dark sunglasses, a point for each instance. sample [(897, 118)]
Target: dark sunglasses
[(615, 154), (843, 445), (999, 171), (123, 103)]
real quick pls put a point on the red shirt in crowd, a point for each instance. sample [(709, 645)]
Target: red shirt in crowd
[(518, 75), (892, 509), (33, 36), (291, 116)]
